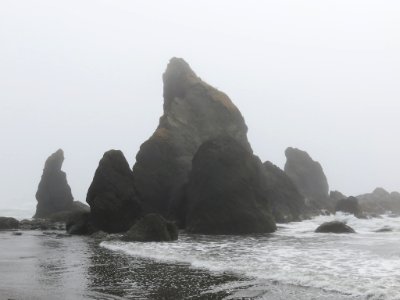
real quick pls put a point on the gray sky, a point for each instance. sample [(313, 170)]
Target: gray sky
[(85, 76)]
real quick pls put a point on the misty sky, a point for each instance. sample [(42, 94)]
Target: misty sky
[(85, 76)]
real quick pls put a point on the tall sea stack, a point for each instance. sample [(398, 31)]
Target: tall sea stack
[(54, 194), (193, 113), (114, 204)]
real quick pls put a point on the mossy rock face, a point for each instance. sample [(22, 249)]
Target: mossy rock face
[(8, 223), (152, 228), (227, 191), (193, 113), (334, 227)]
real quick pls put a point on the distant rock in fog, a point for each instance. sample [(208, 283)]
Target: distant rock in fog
[(286, 201), (113, 201), (54, 194), (309, 178), (349, 205), (227, 191), (380, 201), (193, 113)]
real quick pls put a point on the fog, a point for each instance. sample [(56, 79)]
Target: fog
[(85, 76)]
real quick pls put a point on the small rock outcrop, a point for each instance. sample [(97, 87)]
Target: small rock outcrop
[(380, 202), (286, 201), (193, 113), (54, 194), (334, 227), (348, 205), (114, 204), (152, 228), (7, 223), (385, 229), (64, 216), (80, 224), (309, 178), (41, 224), (227, 191)]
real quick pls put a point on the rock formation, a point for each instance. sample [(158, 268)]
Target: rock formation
[(152, 228), (380, 201), (349, 205), (309, 178), (385, 229), (54, 194), (112, 198), (8, 223), (80, 224), (334, 227), (335, 196), (286, 201), (227, 191), (193, 113)]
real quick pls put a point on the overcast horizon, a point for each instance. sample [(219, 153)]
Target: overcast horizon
[(85, 76)]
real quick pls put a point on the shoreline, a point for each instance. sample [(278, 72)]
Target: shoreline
[(52, 265)]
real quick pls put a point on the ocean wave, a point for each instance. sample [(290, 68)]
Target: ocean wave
[(365, 264)]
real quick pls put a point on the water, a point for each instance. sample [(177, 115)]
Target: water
[(293, 263), (365, 265), (25, 213)]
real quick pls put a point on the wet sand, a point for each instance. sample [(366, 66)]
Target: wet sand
[(52, 265)]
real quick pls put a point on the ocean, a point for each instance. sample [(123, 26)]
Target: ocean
[(293, 263)]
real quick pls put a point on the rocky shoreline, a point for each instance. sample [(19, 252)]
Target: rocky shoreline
[(196, 173)]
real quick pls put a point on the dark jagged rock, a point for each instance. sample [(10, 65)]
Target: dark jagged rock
[(193, 113), (152, 228), (380, 201), (54, 194), (112, 198), (309, 178), (349, 205), (334, 227), (80, 224), (286, 201), (227, 191), (7, 223)]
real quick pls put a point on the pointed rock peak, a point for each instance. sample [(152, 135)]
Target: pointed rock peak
[(178, 68), (178, 78), (55, 161), (115, 159), (112, 198), (296, 153)]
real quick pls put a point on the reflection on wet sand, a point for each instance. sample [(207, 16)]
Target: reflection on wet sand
[(53, 266)]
